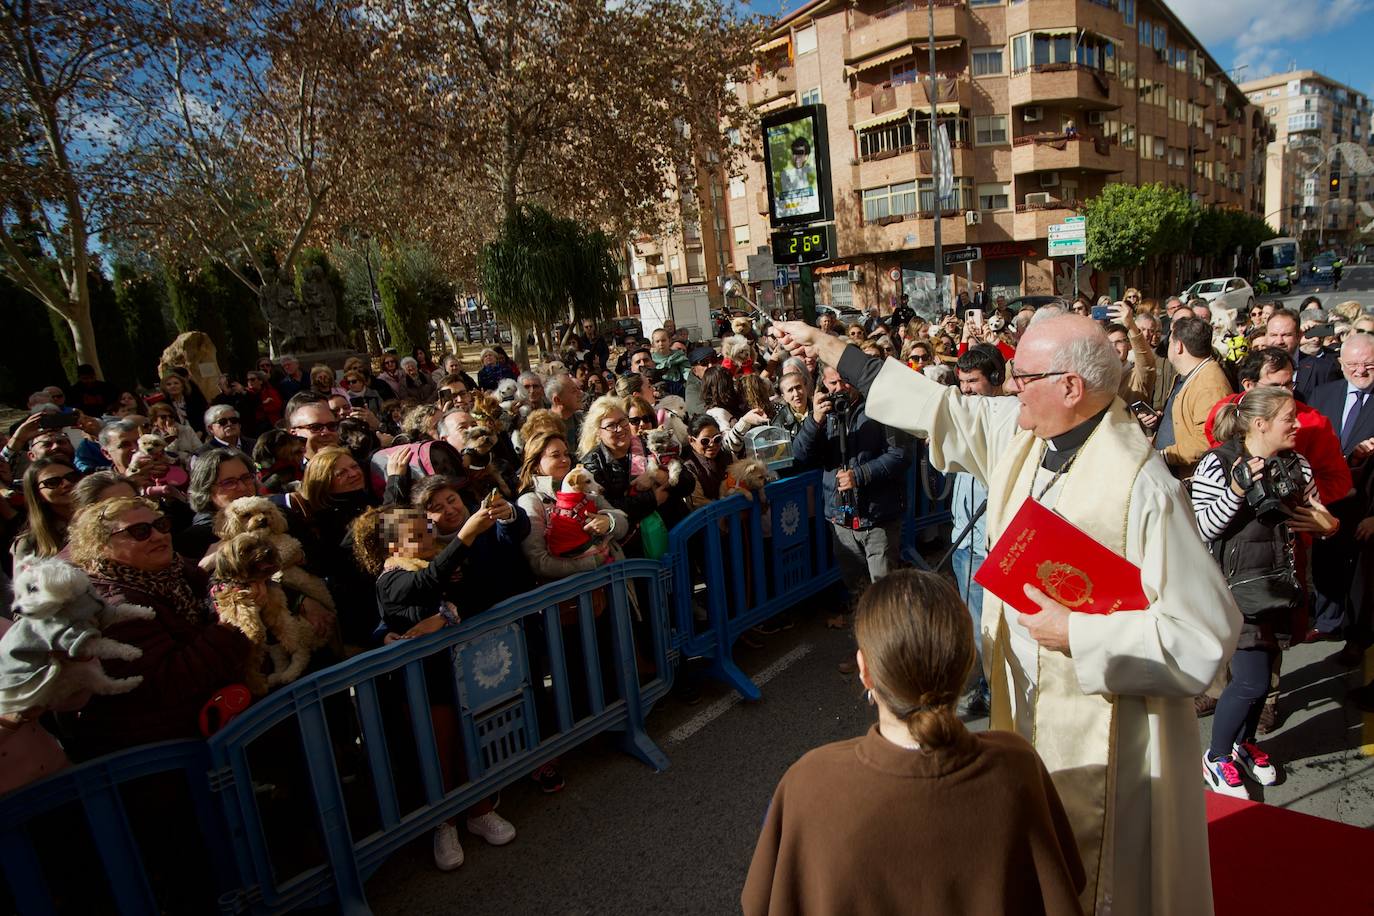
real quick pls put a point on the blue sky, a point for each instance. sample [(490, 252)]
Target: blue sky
[(1265, 36)]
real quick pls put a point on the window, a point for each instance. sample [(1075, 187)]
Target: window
[(903, 72), (889, 200), (1128, 136), (741, 236), (1019, 59), (889, 138), (990, 130), (994, 196), (736, 188), (1304, 121), (696, 265), (1178, 158), (1144, 32), (1151, 147), (1161, 38), (1271, 111), (961, 198), (805, 40), (1126, 68), (1052, 49), (984, 2), (674, 263), (811, 96), (987, 61), (1128, 12)]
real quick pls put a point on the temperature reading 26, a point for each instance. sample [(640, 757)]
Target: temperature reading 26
[(803, 246)]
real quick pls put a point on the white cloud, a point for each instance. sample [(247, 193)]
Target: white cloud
[(1262, 34)]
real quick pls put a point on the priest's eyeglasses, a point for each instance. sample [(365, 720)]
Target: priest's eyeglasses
[(1022, 379)]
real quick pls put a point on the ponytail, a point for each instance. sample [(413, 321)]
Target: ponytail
[(1227, 425), (932, 725), (1234, 418)]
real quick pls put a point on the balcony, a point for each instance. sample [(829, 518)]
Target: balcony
[(915, 230), (1090, 17), (772, 86), (652, 279), (1049, 83), (908, 21), (951, 91), (907, 164), (1033, 220), (1057, 152)]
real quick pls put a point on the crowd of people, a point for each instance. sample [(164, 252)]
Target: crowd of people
[(391, 486)]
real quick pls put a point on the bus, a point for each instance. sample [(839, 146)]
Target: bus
[(1277, 262)]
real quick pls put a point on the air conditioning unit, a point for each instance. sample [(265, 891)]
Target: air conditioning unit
[(1049, 179), (1039, 200), (1032, 113), (973, 218), (1095, 118), (855, 275), (1162, 54)]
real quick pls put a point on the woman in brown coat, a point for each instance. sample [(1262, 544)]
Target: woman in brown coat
[(919, 815)]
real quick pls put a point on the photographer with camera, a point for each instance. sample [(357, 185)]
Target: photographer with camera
[(1252, 494), (864, 464)]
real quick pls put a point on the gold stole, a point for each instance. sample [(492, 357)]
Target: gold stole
[(1073, 732)]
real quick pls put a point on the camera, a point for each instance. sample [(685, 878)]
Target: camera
[(1277, 485), (839, 406)]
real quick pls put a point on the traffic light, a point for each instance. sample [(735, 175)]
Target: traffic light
[(1335, 185)]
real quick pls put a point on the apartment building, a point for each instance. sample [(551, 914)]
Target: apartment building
[(1311, 192), (1045, 102)]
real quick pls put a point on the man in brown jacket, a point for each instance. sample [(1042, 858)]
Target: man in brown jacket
[(1138, 375), (1182, 436)]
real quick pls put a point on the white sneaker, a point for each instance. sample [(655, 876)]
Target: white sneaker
[(1256, 762), (1222, 776), (493, 828), (448, 852)]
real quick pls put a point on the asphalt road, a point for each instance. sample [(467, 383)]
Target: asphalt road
[(623, 839), (1357, 282)]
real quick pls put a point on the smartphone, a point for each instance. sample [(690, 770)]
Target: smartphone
[(1142, 410), (52, 420), (974, 316), (1101, 313), (357, 402)]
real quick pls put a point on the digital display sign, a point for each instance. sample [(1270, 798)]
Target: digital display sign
[(804, 246), (797, 165)]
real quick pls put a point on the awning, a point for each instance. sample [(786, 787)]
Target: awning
[(1071, 31), (786, 100), (947, 108), (830, 269), (773, 45), (943, 45), (898, 114), (880, 59)]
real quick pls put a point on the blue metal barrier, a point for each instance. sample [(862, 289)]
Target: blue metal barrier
[(747, 571), (496, 684), (927, 504)]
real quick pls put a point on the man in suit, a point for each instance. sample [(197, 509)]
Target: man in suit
[(224, 429), (1314, 369), (1346, 403)]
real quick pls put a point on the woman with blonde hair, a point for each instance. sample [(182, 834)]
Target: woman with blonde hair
[(187, 403), (910, 783)]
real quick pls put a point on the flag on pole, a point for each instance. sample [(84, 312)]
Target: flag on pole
[(944, 165)]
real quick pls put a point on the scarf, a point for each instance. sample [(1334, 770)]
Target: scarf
[(168, 584)]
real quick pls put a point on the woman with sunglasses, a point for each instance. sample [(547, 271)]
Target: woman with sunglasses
[(48, 487), (390, 378), (706, 459), (125, 545)]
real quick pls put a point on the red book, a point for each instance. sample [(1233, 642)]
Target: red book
[(1042, 548)]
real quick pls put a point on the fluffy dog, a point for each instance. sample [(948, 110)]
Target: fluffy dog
[(672, 415), (53, 650), (246, 598), (746, 477), (256, 514), (664, 449)]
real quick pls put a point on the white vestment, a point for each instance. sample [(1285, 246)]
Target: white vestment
[(1143, 836)]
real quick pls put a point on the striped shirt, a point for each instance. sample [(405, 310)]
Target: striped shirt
[(1216, 504)]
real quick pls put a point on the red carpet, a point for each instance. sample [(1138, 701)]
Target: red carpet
[(1272, 860)]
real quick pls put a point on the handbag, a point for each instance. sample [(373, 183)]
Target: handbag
[(653, 536)]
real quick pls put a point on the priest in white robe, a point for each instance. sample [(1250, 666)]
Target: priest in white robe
[(1105, 699)]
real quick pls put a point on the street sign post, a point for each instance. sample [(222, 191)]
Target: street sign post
[(963, 255), (1070, 239), (782, 277)]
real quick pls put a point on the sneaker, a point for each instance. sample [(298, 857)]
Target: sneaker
[(549, 778), (1256, 762), (493, 828), (1222, 776), (448, 852)]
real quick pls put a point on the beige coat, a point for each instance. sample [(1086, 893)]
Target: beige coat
[(1199, 394), (1114, 719)]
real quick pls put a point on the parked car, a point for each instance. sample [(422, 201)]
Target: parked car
[(844, 314), (626, 325), (1322, 265), (1222, 292)]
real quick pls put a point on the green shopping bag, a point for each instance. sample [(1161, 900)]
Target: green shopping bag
[(653, 536)]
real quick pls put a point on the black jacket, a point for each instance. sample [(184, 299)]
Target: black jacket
[(878, 455), (612, 475)]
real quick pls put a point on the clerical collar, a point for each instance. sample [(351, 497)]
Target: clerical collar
[(1064, 446)]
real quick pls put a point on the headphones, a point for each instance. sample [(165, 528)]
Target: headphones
[(997, 376)]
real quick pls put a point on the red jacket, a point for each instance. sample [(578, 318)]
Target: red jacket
[(1317, 442)]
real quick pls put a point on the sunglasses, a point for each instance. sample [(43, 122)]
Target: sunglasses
[(643, 421), (72, 478), (144, 530), (711, 440), (320, 427), (229, 421)]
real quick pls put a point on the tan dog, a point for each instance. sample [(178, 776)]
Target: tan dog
[(746, 477), (246, 598), (258, 514)]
